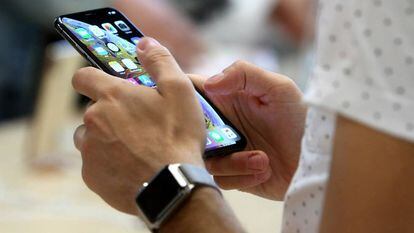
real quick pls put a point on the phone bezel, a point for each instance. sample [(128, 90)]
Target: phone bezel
[(89, 56)]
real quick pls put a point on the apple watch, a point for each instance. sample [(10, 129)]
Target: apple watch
[(159, 198)]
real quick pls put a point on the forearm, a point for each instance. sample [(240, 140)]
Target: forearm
[(370, 183), (205, 211)]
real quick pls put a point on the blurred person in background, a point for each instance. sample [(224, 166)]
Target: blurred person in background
[(295, 19), (346, 168), (28, 26)]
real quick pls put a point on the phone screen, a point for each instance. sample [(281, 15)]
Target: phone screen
[(112, 38)]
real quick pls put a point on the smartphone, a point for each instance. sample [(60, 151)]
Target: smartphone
[(107, 39)]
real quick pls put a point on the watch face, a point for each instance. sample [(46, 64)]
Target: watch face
[(160, 192)]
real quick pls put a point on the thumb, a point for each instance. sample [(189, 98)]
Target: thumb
[(241, 76), (160, 65)]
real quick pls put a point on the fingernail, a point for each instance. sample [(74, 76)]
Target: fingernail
[(256, 162), (147, 43), (215, 79)]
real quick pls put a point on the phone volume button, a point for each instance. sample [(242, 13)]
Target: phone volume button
[(92, 61), (78, 47)]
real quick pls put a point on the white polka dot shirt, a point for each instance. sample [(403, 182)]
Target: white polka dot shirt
[(364, 71)]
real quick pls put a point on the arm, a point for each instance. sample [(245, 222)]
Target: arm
[(370, 187), (209, 210), (130, 132)]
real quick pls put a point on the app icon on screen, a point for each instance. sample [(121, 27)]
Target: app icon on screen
[(129, 64), (216, 136), (130, 48), (146, 80), (229, 133), (101, 51), (112, 47), (83, 33), (116, 66), (109, 27), (133, 81), (122, 25), (97, 31), (135, 40), (208, 142)]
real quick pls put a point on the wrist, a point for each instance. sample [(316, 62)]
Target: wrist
[(183, 219), (186, 156), (163, 195)]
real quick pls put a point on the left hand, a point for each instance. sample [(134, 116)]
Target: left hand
[(268, 109), (131, 132)]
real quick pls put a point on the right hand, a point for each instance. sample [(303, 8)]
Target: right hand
[(268, 109)]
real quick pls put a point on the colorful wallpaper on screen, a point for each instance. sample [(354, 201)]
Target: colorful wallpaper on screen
[(100, 42)]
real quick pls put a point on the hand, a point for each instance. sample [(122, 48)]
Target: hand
[(268, 109), (131, 132)]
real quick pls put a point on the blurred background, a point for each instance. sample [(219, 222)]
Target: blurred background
[(41, 189)]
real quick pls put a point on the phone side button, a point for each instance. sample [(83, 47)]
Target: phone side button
[(92, 61)]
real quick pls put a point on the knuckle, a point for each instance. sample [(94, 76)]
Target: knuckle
[(90, 117), (179, 85), (157, 55), (288, 87), (290, 82), (85, 71), (286, 79), (241, 64), (182, 83), (112, 92), (85, 150), (79, 76), (86, 177), (260, 178)]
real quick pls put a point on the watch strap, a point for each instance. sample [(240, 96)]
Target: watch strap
[(198, 176)]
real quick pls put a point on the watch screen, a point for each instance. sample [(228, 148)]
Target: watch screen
[(112, 39), (156, 196)]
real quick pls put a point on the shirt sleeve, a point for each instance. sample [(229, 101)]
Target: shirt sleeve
[(365, 64), (45, 11)]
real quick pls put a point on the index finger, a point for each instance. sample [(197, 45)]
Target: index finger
[(240, 163), (92, 82), (162, 67)]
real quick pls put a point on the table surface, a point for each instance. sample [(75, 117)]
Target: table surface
[(58, 201)]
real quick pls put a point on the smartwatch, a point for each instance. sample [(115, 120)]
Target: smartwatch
[(159, 198)]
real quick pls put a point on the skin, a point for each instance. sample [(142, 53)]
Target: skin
[(369, 189), (209, 210), (137, 125), (131, 132), (268, 109)]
